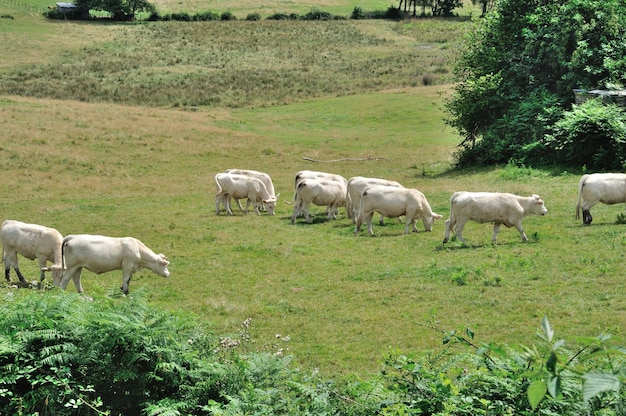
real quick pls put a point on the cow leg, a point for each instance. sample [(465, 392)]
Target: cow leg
[(19, 274), (381, 221), (368, 219), (125, 282), (357, 227), (76, 279), (496, 230), (446, 236), (587, 218), (70, 274), (218, 201), (7, 273), (520, 228), (458, 230), (227, 198), (42, 269)]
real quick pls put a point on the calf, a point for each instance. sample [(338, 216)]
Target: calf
[(100, 254), (230, 185), (331, 194), (393, 202), (608, 188), (499, 208), (33, 242)]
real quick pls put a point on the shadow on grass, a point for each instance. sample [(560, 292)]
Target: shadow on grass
[(453, 245)]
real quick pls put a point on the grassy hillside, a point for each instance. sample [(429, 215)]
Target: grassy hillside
[(343, 300), (108, 167)]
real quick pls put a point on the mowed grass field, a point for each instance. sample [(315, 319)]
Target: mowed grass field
[(111, 168)]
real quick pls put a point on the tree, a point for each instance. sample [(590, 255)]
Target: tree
[(119, 9), (486, 5), (519, 68), (445, 7)]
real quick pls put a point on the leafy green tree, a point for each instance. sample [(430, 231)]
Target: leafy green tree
[(445, 7), (119, 9), (519, 68)]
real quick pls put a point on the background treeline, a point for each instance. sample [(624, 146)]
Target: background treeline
[(314, 14), (128, 10), (519, 69), (61, 354)]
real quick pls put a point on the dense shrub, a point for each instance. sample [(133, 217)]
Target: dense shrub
[(519, 68), (283, 16), (227, 16), (591, 135), (253, 17)]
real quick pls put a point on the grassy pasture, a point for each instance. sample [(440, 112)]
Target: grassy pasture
[(343, 300), (108, 167)]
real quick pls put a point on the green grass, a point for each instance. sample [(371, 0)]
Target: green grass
[(146, 170)]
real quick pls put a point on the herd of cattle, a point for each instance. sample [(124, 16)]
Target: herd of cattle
[(361, 197)]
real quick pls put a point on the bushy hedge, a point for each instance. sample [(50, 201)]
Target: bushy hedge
[(591, 135), (63, 354)]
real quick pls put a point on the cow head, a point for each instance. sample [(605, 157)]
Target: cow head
[(57, 273), (538, 206), (270, 205), (163, 263), (428, 220)]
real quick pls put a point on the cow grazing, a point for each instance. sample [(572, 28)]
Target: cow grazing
[(499, 208), (394, 202), (356, 186), (230, 185), (331, 194), (33, 242), (317, 175), (608, 188), (264, 177), (100, 254)]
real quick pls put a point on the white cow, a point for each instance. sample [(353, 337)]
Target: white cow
[(264, 177), (356, 186), (499, 208), (394, 202), (608, 188), (231, 185), (33, 242), (313, 174), (100, 254), (331, 194)]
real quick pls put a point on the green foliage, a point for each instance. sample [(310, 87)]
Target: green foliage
[(119, 9), (542, 379), (592, 134), (519, 68), (64, 354), (225, 16)]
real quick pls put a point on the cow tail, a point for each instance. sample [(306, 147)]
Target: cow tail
[(580, 193), (65, 242), (219, 187)]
